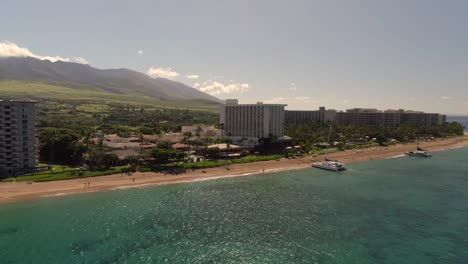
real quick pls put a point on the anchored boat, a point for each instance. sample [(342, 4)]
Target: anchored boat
[(419, 153), (329, 165)]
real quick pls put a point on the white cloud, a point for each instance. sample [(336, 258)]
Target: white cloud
[(10, 49), (140, 52), (298, 100), (292, 87), (446, 98), (275, 100), (196, 85), (192, 76), (167, 73), (302, 98), (217, 88)]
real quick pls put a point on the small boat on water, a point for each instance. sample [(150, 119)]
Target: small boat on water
[(419, 153), (329, 165)]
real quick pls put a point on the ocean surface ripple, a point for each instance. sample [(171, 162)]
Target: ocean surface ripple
[(405, 210)]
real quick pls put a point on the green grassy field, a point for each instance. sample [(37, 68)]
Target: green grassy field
[(61, 172), (219, 163), (41, 92)]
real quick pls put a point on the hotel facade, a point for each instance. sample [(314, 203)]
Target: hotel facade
[(17, 137), (247, 123), (252, 121), (307, 116), (365, 117), (388, 118)]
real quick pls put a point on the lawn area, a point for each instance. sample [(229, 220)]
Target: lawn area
[(208, 163), (219, 163), (63, 173), (324, 151)]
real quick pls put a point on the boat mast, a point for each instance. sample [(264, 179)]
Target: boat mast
[(329, 135)]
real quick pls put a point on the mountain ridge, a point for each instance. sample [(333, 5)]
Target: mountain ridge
[(85, 77)]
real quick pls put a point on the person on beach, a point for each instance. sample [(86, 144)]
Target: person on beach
[(133, 180)]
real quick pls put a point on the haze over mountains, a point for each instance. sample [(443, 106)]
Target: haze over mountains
[(86, 78)]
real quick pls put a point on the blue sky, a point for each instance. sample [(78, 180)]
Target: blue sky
[(409, 54)]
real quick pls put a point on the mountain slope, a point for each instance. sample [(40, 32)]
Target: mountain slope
[(86, 78), (48, 93)]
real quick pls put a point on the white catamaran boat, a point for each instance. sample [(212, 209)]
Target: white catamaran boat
[(419, 153), (329, 165)]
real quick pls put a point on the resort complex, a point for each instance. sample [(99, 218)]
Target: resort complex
[(270, 120), (331, 132), (243, 130)]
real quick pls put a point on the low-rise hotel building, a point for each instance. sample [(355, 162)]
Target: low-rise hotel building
[(309, 116), (17, 137), (388, 118)]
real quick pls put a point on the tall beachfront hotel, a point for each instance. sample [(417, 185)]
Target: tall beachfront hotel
[(252, 121), (17, 137)]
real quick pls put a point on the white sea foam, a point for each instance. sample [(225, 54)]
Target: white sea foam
[(456, 147), (397, 156)]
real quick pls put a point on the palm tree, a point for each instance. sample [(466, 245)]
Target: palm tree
[(220, 126), (51, 138), (198, 131), (187, 137)]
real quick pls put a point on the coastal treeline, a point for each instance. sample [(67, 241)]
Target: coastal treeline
[(311, 135)]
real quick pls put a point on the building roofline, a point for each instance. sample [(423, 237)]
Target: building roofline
[(256, 105)]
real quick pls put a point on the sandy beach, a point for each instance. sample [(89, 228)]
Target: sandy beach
[(19, 191)]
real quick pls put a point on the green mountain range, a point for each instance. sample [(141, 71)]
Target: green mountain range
[(31, 78)]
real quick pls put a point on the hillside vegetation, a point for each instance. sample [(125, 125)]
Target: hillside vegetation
[(47, 92), (86, 78)]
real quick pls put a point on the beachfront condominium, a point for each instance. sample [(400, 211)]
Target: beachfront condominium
[(388, 118), (308, 116), (252, 121), (17, 137)]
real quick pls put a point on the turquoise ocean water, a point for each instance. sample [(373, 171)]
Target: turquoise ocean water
[(403, 210)]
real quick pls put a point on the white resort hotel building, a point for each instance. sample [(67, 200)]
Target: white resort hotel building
[(250, 122)]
